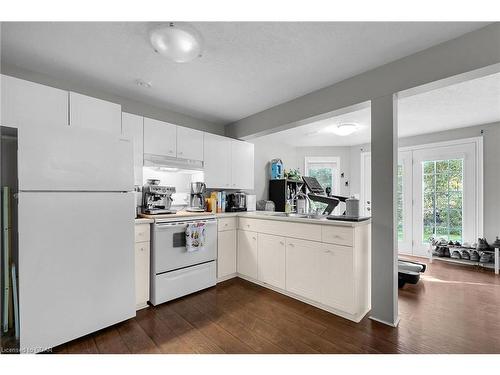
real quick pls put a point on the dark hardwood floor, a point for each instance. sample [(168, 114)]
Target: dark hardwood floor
[(452, 310)]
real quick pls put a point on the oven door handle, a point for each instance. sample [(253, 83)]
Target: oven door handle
[(183, 223)]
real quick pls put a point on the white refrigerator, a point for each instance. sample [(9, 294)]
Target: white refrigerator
[(76, 234)]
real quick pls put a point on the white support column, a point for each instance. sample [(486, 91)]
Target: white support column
[(384, 129)]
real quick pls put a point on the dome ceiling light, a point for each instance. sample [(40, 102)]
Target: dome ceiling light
[(344, 129), (178, 42)]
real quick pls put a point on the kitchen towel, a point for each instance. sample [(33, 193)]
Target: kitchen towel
[(195, 237)]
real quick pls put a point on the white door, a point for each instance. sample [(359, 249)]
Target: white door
[(336, 277), (303, 268), (226, 253), (133, 128), (271, 259), (445, 189), (74, 158), (88, 112), (26, 104), (404, 209), (247, 254), (242, 167), (366, 184), (160, 138), (76, 265), (189, 143), (217, 161), (142, 274)]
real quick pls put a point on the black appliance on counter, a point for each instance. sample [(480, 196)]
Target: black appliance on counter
[(236, 202)]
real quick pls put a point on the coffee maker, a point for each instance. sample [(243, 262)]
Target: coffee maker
[(157, 199), (197, 198), (236, 202)]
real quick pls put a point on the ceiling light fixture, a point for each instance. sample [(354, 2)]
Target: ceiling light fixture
[(177, 42), (344, 129)]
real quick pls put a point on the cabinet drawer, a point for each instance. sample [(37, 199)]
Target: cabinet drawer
[(142, 233), (252, 225), (337, 235), (227, 223)]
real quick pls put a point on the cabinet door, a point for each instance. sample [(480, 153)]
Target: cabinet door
[(271, 257), (242, 165), (142, 254), (189, 143), (160, 138), (247, 254), (217, 161), (226, 253), (337, 277), (26, 104), (88, 112), (302, 268), (132, 127)]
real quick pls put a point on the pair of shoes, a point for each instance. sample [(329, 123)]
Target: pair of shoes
[(474, 256), (465, 254), (482, 244), (486, 257)]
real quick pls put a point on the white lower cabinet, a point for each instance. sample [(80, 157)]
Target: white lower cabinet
[(226, 253), (336, 275), (247, 254), (271, 260), (328, 274), (303, 268), (142, 265)]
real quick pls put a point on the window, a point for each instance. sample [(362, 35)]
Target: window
[(326, 170), (442, 189)]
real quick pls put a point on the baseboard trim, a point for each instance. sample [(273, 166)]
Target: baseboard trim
[(395, 324), (227, 277)]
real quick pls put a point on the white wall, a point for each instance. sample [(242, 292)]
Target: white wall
[(293, 158), (265, 151), (491, 158)]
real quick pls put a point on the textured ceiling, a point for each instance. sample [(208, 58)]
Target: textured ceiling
[(464, 104), (246, 67)]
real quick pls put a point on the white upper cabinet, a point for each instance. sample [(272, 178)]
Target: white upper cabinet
[(88, 112), (217, 161), (160, 138), (189, 143), (242, 165), (132, 127), (27, 104)]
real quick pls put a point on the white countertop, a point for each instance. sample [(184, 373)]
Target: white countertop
[(267, 215)]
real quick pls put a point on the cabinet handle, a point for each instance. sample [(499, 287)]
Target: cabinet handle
[(170, 151), (248, 225), (291, 245), (253, 238), (225, 224), (328, 252), (282, 243), (180, 152)]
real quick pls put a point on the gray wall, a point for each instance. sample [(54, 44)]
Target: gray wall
[(471, 51), (491, 158), (128, 105)]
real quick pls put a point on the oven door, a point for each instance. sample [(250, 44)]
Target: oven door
[(169, 246)]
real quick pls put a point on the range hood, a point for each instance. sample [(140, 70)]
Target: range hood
[(151, 160)]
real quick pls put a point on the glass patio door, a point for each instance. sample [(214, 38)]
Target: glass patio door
[(444, 195)]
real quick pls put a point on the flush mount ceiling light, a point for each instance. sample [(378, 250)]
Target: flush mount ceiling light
[(344, 129), (178, 42)]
